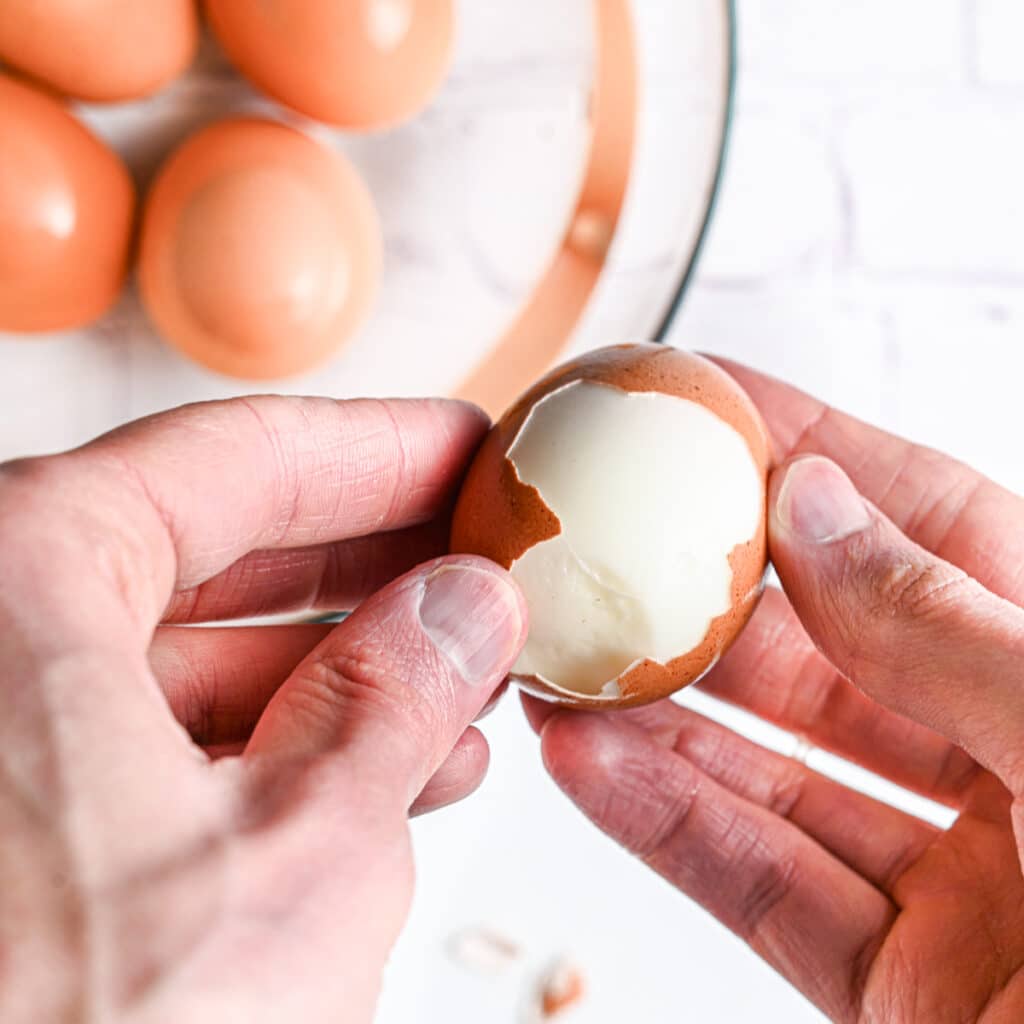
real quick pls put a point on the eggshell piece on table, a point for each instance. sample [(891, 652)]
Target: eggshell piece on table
[(102, 50), (66, 209), (260, 251), (359, 64), (626, 493)]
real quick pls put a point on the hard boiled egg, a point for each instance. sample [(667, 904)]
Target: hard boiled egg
[(360, 64), (66, 208), (260, 249), (626, 493), (100, 49)]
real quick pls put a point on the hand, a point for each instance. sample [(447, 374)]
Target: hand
[(901, 647), (145, 876)]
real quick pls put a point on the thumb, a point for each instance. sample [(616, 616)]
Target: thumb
[(395, 685), (912, 631)]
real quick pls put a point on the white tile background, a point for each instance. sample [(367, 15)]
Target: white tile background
[(870, 240), (869, 246)]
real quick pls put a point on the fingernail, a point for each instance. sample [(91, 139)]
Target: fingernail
[(818, 503), (472, 617)]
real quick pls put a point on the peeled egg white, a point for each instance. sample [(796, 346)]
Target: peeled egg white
[(626, 493)]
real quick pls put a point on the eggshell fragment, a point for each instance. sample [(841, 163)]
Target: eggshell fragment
[(100, 50), (361, 65), (626, 494), (66, 209), (260, 250), (561, 988)]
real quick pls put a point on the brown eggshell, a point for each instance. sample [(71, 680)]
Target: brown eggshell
[(101, 50), (66, 209), (361, 65), (260, 251), (501, 518)]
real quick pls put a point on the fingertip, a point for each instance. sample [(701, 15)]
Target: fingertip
[(615, 772), (461, 774), (475, 615), (462, 407), (814, 503), (582, 745), (468, 420), (537, 711)]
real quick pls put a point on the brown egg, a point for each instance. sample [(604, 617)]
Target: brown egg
[(260, 249), (625, 492), (101, 49), (66, 208), (360, 64)]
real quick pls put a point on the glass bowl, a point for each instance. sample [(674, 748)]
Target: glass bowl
[(552, 198)]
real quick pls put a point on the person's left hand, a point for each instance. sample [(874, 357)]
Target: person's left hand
[(145, 875)]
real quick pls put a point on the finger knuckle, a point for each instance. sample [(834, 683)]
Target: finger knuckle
[(770, 874), (911, 588), (367, 676), (785, 790)]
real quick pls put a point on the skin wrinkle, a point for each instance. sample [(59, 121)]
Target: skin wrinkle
[(368, 456), (895, 591), (786, 792), (906, 590), (197, 697), (887, 736), (286, 481), (673, 822), (365, 675), (865, 455), (804, 440), (957, 772), (404, 462), (667, 805), (952, 504), (769, 883), (166, 527), (330, 572)]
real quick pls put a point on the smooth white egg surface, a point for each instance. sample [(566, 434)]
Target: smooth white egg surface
[(653, 493)]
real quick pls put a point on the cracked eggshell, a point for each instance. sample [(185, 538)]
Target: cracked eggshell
[(656, 481)]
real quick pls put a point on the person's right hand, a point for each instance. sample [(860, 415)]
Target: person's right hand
[(901, 647)]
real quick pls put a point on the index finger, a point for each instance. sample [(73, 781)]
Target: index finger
[(168, 502), (946, 507)]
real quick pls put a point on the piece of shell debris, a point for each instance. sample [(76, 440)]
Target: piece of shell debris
[(561, 987), (483, 950)]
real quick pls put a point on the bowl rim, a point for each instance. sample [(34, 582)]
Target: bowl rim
[(675, 303)]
